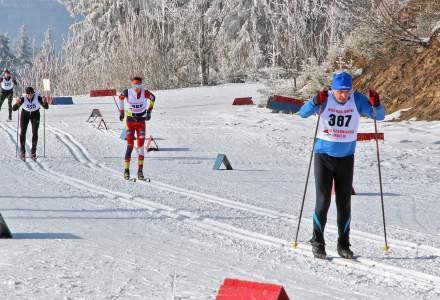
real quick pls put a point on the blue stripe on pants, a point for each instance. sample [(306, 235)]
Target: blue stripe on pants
[(347, 225), (315, 219)]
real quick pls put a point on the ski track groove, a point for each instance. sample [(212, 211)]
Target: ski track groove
[(205, 223), (81, 154)]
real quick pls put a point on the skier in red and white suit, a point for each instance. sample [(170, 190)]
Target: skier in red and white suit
[(136, 105)]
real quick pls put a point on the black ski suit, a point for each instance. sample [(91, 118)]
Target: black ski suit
[(340, 169), (7, 94), (34, 118)]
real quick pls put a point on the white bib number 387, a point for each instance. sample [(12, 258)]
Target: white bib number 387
[(339, 122)]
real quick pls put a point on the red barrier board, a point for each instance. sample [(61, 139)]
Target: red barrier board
[(370, 136), (243, 101), (102, 93), (284, 99), (234, 289)]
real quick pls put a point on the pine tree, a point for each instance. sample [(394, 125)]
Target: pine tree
[(7, 58), (46, 59), (46, 63), (23, 51), (47, 47)]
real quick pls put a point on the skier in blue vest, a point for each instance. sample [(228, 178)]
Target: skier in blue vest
[(340, 110)]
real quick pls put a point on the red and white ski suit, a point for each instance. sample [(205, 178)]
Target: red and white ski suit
[(135, 107)]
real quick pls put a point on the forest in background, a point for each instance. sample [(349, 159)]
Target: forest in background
[(293, 46)]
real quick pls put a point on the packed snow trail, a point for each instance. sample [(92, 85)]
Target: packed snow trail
[(81, 154), (219, 227)]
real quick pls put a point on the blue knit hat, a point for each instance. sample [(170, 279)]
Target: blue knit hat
[(342, 81)]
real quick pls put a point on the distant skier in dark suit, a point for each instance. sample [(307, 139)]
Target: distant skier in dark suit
[(31, 103), (7, 83)]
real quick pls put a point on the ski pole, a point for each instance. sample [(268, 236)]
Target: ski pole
[(46, 85), (18, 125), (117, 106), (109, 84), (295, 242), (44, 132), (386, 247)]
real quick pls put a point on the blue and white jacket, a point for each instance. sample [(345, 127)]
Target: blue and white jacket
[(341, 149)]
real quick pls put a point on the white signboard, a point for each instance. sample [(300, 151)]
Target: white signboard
[(46, 85)]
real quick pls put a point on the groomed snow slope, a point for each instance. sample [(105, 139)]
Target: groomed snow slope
[(82, 232)]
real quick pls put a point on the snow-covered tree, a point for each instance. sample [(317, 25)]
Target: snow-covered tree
[(241, 42), (7, 58), (45, 64), (23, 50), (186, 42), (198, 28), (93, 41)]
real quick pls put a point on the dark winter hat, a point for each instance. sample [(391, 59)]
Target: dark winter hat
[(136, 80), (342, 81), (30, 90), (7, 71)]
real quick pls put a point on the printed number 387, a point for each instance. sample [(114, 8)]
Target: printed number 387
[(339, 120)]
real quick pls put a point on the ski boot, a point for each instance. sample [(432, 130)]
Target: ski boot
[(22, 156), (127, 174), (141, 175), (345, 252), (10, 118), (34, 156), (318, 251)]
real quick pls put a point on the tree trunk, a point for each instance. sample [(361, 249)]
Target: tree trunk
[(204, 70), (202, 51)]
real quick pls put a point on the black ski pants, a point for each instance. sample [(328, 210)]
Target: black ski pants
[(25, 118), (327, 170), (6, 94)]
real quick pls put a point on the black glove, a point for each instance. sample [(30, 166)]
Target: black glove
[(148, 116), (121, 117)]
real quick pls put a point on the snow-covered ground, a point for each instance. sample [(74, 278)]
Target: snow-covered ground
[(82, 232)]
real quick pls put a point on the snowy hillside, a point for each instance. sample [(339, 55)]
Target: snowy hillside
[(83, 232)]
